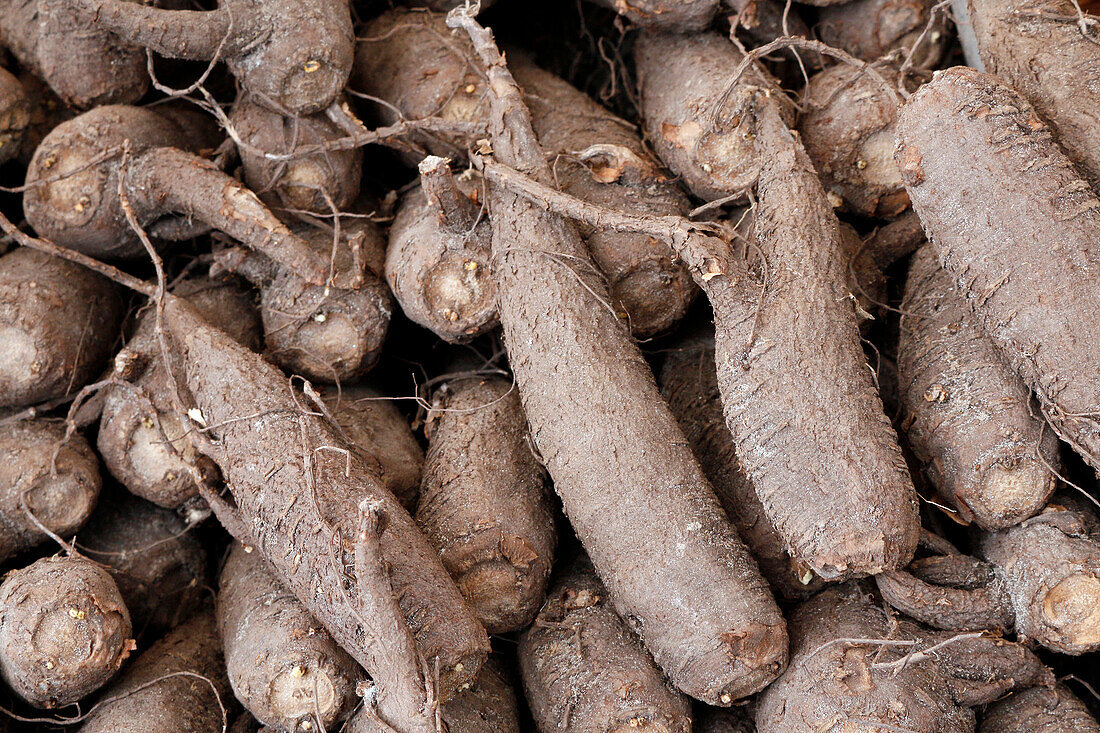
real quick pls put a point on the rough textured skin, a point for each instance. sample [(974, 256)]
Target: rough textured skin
[(297, 488), (1040, 710), (680, 78), (16, 109), (170, 688), (374, 425), (871, 29), (484, 501), (441, 271), (724, 720), (1051, 62), (158, 565), (630, 486), (1026, 265), (690, 386), (58, 323), (84, 65), (282, 665), (1051, 567), (141, 439), (585, 672), (678, 16), (848, 131), (807, 421), (64, 630), (763, 20), (47, 111), (61, 499), (296, 54), (967, 416), (301, 182)]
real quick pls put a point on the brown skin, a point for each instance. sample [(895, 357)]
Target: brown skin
[(438, 261), (967, 416), (715, 158), (297, 55), (60, 493), (763, 20), (596, 156), (283, 666), (699, 604), (16, 109), (1051, 62), (848, 132), (584, 670), (1040, 710), (872, 29), (677, 16), (1032, 299), (83, 210), (689, 385), (141, 439), (58, 324), (296, 491), (86, 66), (373, 424), (64, 630), (896, 240), (327, 334), (174, 686), (859, 684), (47, 111), (484, 502), (157, 563), (318, 182)]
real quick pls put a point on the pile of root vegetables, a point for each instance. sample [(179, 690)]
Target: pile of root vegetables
[(451, 367)]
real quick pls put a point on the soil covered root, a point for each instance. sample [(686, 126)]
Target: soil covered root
[(297, 489), (47, 111), (584, 670), (487, 706), (678, 16), (95, 172), (316, 182), (967, 142), (763, 21), (16, 109), (689, 384), (64, 630), (900, 29), (84, 65), (698, 600), (373, 424), (854, 667), (58, 324), (968, 417), (157, 563), (485, 503), (142, 440), (283, 666), (1048, 52), (595, 155), (45, 481), (178, 684), (1040, 710), (848, 131), (298, 55), (325, 333), (438, 260)]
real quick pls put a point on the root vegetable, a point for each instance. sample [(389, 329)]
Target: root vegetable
[(374, 425), (282, 665), (438, 260), (178, 684), (158, 565), (968, 141), (968, 417), (697, 600), (47, 111), (680, 16), (77, 174), (1040, 710), (484, 501), (64, 630), (60, 493), (873, 29), (141, 439), (766, 20), (583, 669), (58, 322), (16, 109), (296, 55)]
